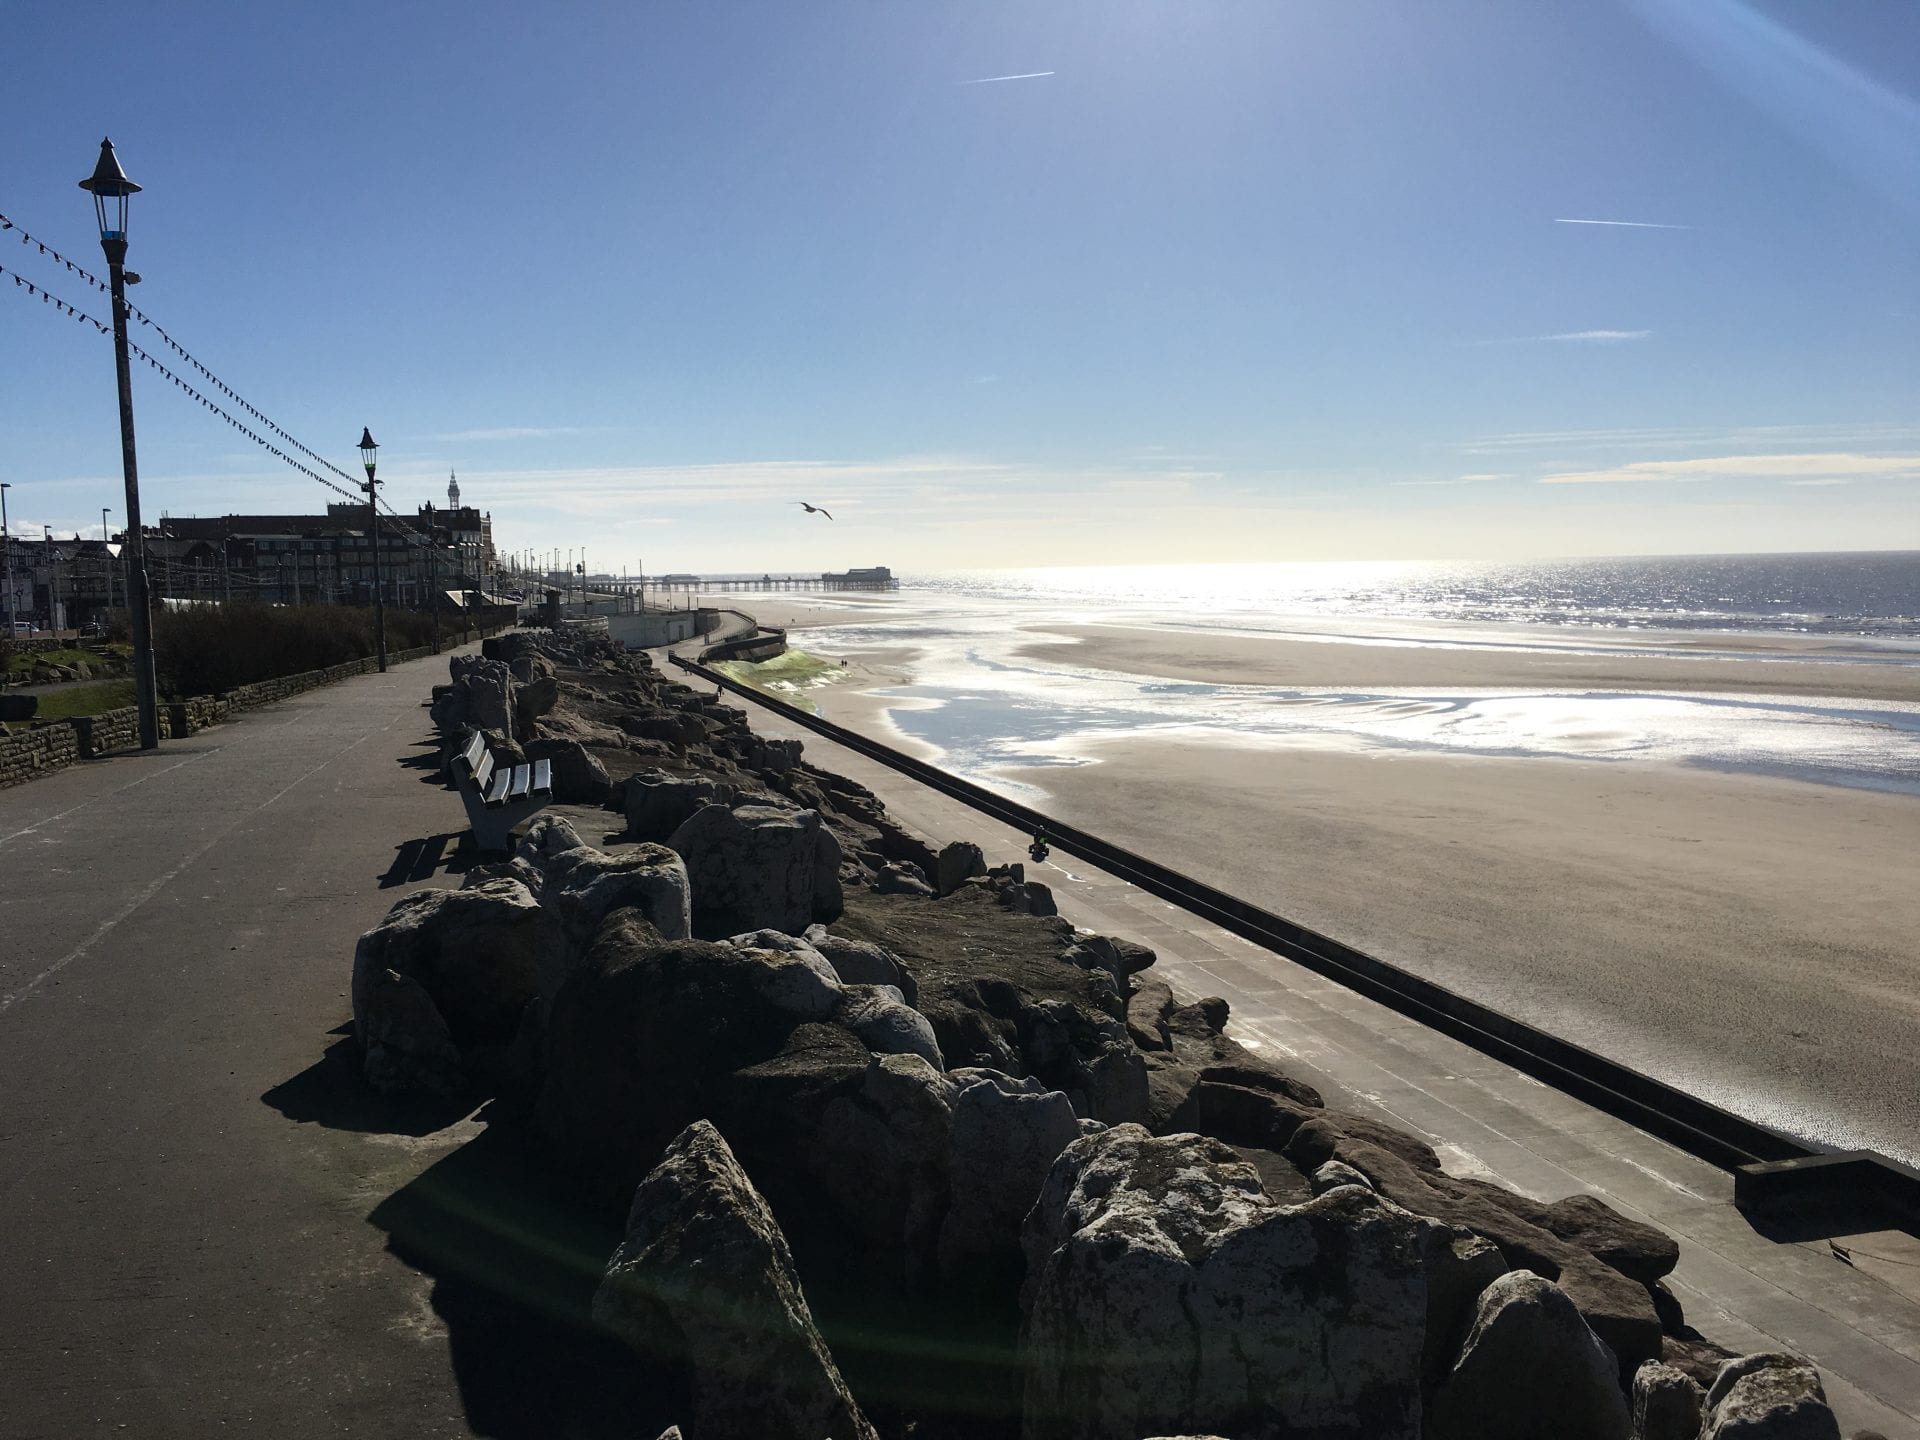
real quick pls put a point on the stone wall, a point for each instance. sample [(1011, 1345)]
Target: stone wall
[(27, 754)]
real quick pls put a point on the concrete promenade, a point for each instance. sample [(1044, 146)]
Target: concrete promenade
[(1744, 1289), (186, 1183)]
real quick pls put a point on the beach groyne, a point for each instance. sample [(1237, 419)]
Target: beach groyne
[(968, 1171)]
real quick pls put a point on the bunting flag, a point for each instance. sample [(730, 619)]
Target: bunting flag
[(401, 528)]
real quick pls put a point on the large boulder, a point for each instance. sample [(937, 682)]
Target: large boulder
[(644, 1037), (658, 804), (1529, 1368), (886, 1024), (578, 776), (1168, 1294), (585, 885), (477, 952), (704, 1277), (407, 1045), (1122, 959), (1617, 1308), (958, 863), (1006, 1135), (480, 697), (532, 699), (860, 962), (750, 867), (1769, 1397), (1667, 1404)]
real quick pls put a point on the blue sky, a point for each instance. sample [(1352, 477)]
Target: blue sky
[(1236, 281)]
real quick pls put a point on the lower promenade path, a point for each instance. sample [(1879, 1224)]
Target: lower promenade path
[(185, 1190), (1747, 1291)]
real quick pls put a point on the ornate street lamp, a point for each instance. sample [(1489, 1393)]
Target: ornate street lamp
[(369, 452), (110, 188)]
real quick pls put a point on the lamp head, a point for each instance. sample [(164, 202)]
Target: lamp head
[(110, 188), (369, 450)]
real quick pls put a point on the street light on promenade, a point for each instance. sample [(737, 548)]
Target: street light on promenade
[(6, 554), (109, 183), (369, 452)]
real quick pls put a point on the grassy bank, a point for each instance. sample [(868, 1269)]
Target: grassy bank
[(786, 677), (90, 699), (210, 649)]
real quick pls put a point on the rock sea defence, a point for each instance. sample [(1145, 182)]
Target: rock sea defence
[(900, 1152)]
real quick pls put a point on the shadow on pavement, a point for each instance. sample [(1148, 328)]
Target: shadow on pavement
[(514, 1261), (330, 1092), (422, 859)]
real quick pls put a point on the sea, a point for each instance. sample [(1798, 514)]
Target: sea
[(981, 705)]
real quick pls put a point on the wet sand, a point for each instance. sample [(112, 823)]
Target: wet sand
[(1748, 939), (1768, 665)]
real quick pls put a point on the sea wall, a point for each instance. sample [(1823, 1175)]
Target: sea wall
[(46, 746)]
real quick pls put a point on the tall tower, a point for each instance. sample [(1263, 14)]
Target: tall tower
[(453, 492)]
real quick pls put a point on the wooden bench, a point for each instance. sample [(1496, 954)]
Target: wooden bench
[(499, 797)]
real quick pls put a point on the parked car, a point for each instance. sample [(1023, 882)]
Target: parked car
[(24, 627)]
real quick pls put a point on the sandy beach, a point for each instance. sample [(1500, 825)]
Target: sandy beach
[(1747, 937), (1783, 666)]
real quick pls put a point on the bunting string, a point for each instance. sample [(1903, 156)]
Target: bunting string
[(400, 525)]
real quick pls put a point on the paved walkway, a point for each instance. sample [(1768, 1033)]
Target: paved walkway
[(1740, 1288), (184, 1194)]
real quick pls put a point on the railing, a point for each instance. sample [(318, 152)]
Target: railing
[(1766, 1163)]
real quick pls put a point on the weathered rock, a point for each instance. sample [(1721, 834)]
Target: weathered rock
[(880, 1155), (886, 1024), (480, 697), (704, 1276), (1529, 1368), (829, 900), (1147, 1013), (528, 668), (1198, 1047), (1028, 898), (1460, 1265), (901, 878), (658, 804), (1167, 1292), (533, 699), (578, 776), (584, 886), (1332, 1175), (1667, 1405), (1617, 1309), (1769, 1397), (645, 1037), (1636, 1250), (860, 962), (751, 867), (1006, 1135), (405, 1038), (958, 863), (1122, 959), (477, 952)]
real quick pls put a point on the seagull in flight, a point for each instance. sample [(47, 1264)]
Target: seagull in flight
[(811, 509)]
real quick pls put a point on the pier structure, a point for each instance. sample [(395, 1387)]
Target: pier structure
[(877, 577)]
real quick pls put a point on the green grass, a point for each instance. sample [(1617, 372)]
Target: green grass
[(85, 700), (785, 677)]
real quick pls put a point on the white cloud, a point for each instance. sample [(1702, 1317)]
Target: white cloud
[(996, 79), (1626, 224), (1811, 469), (1579, 337), (1476, 479)]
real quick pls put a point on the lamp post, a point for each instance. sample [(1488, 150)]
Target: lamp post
[(109, 183), (369, 452), (433, 578), (6, 554)]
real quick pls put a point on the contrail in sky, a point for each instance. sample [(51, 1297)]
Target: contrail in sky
[(995, 79), (1628, 224)]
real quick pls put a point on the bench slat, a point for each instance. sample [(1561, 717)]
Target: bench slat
[(482, 773), (497, 792), (476, 747), (521, 775), (542, 777)]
